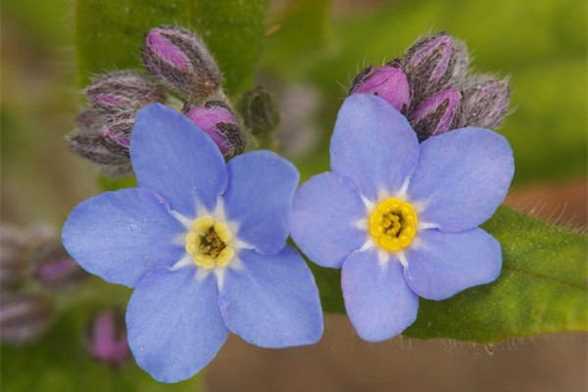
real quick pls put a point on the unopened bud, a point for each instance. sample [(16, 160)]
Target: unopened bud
[(388, 82), (123, 91), (217, 120), (437, 114), (485, 102), (107, 338), (182, 61), (54, 268), (13, 266), (116, 133), (259, 112), (104, 139), (433, 63), (24, 317), (89, 121), (92, 148)]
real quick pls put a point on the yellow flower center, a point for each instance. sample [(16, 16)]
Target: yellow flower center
[(209, 242), (392, 224)]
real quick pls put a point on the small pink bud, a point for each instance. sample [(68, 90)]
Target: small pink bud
[(116, 132), (217, 120), (388, 82), (437, 114), (181, 60), (485, 102), (434, 62), (122, 91), (107, 338)]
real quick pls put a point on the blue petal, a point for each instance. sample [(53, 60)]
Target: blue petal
[(174, 158), (378, 301), (259, 198), (174, 324), (462, 177), (324, 216), (373, 144), (121, 235), (448, 263), (273, 301)]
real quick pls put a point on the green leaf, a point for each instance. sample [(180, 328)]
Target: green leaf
[(110, 33), (542, 289), (60, 363)]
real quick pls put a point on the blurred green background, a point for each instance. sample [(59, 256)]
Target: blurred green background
[(311, 51)]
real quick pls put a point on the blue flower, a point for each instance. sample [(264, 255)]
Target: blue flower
[(203, 245), (400, 219)]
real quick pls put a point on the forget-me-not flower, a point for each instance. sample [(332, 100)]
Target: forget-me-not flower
[(203, 244), (401, 218)]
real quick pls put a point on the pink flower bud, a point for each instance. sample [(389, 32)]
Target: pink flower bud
[(433, 63), (107, 338), (24, 317), (217, 120), (485, 102), (437, 114), (116, 133), (181, 60), (123, 90), (388, 82)]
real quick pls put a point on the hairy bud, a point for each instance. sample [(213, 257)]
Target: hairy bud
[(259, 112), (437, 114), (92, 148), (182, 61), (116, 133), (104, 139), (433, 63), (123, 91), (90, 121), (388, 82), (217, 120), (107, 338), (24, 317), (485, 102)]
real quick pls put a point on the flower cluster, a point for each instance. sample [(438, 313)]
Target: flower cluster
[(431, 86), (179, 65), (202, 239)]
